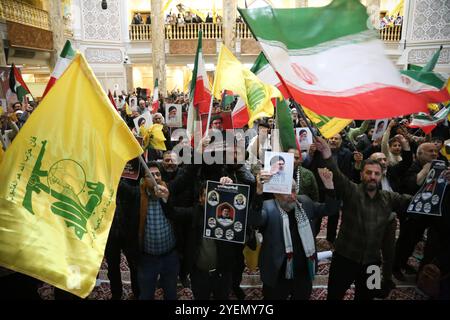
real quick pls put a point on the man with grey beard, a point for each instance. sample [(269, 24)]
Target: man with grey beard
[(365, 215), (288, 257)]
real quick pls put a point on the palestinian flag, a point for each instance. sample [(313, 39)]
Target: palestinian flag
[(227, 98), (427, 122), (155, 101), (331, 62), (425, 82), (17, 85), (65, 58), (200, 88)]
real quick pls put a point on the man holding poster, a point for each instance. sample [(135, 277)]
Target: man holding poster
[(288, 254)]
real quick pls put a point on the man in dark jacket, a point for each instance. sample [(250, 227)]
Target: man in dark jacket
[(287, 259), (365, 215), (413, 226), (123, 236)]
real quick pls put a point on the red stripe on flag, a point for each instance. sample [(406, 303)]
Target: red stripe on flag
[(111, 98), (376, 104), (155, 106), (240, 118), (202, 97), (50, 84)]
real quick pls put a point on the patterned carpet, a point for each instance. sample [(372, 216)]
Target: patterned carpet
[(251, 283)]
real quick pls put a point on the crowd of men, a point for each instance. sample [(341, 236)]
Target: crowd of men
[(364, 184)]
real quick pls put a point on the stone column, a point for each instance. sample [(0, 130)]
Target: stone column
[(301, 3), (373, 10), (57, 27), (2, 54), (158, 48), (129, 77), (229, 23)]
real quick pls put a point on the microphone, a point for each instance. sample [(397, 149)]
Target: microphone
[(104, 5)]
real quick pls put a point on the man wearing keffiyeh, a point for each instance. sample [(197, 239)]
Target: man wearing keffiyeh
[(288, 256)]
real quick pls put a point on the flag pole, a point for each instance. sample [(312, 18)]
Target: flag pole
[(210, 111), (147, 171), (297, 106), (212, 93), (300, 111)]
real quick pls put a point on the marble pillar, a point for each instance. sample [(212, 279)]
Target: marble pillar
[(229, 23), (57, 28), (158, 46)]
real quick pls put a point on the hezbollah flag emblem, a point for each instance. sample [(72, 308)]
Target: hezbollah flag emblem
[(59, 180)]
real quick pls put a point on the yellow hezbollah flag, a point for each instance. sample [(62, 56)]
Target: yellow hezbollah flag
[(128, 109), (59, 180), (232, 75), (155, 137), (327, 126)]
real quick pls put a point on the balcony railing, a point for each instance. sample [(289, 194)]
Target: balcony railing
[(23, 13), (143, 32), (188, 31), (242, 31), (140, 32), (391, 34)]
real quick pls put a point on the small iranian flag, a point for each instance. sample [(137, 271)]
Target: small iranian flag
[(332, 62), (155, 101), (200, 87), (425, 82), (427, 122), (199, 94), (65, 58), (17, 85)]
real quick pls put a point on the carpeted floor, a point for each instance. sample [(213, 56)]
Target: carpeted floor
[(251, 283)]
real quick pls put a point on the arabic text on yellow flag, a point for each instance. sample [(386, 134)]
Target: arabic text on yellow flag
[(232, 75), (59, 181)]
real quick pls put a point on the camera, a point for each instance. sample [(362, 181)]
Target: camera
[(126, 60)]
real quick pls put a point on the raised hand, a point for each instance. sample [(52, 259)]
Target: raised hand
[(323, 147), (262, 178), (226, 180), (327, 177)]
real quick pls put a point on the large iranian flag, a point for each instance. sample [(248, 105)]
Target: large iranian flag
[(332, 62), (327, 126)]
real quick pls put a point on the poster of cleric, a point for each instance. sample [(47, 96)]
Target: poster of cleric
[(428, 200), (226, 208)]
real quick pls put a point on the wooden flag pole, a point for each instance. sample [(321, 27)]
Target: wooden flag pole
[(147, 171)]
